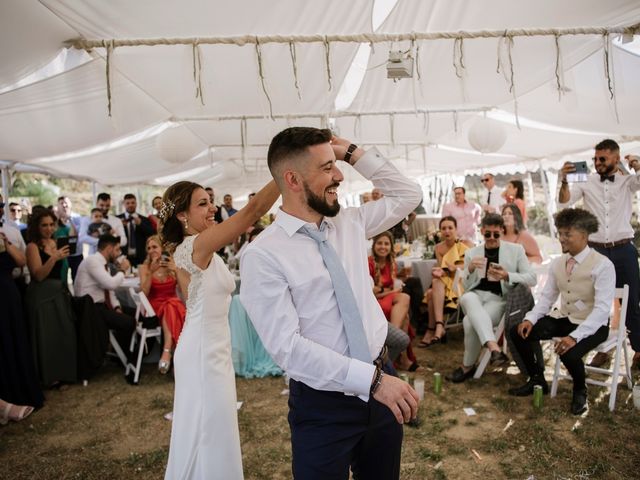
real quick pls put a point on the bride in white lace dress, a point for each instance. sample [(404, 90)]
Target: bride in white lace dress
[(205, 442)]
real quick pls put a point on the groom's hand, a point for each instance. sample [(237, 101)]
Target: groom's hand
[(398, 395)]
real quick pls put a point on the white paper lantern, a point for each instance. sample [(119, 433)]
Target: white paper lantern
[(178, 145), (487, 136)]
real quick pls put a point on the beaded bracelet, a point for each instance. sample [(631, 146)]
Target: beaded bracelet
[(377, 381)]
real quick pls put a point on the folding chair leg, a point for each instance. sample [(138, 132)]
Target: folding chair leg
[(556, 377), (484, 361), (143, 342), (118, 350), (627, 365)]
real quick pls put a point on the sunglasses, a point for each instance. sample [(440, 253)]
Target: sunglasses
[(599, 159), (496, 235), (484, 180)]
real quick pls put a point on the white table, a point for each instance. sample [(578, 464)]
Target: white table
[(419, 268)]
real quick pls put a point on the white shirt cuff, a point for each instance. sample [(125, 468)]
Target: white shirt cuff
[(359, 377), (369, 163)]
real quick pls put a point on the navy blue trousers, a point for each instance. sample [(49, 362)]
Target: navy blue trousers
[(625, 261), (332, 432)]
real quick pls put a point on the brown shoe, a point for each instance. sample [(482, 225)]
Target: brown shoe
[(600, 360)]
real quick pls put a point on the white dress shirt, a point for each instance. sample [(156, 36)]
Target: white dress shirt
[(287, 291), (15, 237), (93, 279), (496, 200), (610, 202), (604, 280)]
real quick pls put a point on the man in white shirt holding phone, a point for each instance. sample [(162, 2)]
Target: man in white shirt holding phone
[(608, 194)]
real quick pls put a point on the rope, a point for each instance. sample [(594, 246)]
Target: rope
[(426, 123), (241, 40), (294, 63), (109, 47), (261, 74), (197, 71), (609, 73), (458, 56), (558, 70), (327, 50), (392, 130)]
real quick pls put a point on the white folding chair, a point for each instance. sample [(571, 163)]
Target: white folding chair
[(117, 351), (143, 309), (485, 353), (617, 340)]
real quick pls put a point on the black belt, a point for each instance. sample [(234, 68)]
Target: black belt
[(617, 243), (382, 358)]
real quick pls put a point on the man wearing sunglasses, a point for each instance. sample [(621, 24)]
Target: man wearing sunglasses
[(608, 195), (491, 271), (493, 201)]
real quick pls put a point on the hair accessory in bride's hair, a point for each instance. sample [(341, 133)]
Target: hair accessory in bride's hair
[(166, 210)]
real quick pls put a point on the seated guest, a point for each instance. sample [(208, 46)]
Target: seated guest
[(491, 272), (137, 228), (449, 257), (393, 301), (94, 279), (18, 379), (49, 309), (515, 232), (156, 203), (466, 213), (514, 193), (158, 282), (582, 320)]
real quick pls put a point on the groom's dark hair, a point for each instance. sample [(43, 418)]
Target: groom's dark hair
[(292, 143)]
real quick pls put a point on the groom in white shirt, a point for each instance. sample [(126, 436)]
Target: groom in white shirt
[(344, 411)]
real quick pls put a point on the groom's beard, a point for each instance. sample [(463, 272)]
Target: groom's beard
[(319, 204)]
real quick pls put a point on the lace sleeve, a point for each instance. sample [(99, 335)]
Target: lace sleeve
[(183, 256)]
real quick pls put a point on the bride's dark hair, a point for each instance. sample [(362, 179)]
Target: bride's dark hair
[(176, 199)]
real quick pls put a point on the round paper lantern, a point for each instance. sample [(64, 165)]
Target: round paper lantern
[(487, 136), (177, 145)]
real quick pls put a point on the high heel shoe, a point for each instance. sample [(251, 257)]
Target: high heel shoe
[(442, 339), (165, 365)]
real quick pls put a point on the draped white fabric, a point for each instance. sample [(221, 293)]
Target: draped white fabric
[(61, 123)]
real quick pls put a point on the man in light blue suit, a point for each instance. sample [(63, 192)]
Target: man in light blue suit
[(491, 271)]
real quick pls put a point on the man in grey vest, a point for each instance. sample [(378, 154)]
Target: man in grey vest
[(585, 281)]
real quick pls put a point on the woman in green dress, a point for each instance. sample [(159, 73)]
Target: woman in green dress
[(49, 309)]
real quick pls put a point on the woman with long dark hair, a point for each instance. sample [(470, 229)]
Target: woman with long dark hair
[(49, 309), (205, 442), (514, 193), (515, 232)]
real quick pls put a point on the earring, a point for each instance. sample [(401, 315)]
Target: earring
[(186, 225)]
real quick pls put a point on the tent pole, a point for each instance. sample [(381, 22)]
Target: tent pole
[(94, 191), (5, 184), (550, 204)]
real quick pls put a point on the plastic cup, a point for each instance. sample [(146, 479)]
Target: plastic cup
[(483, 270), (636, 396), (418, 386)]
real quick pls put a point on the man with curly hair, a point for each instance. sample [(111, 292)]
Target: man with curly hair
[(585, 281)]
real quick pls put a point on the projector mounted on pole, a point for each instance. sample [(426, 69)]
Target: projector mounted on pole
[(399, 65)]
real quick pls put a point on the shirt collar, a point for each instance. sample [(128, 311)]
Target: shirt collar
[(291, 224), (582, 255)]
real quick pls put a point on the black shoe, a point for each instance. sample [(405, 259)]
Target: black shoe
[(579, 403), (499, 359), (527, 388), (459, 375)]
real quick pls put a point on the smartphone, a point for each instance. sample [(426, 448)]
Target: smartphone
[(165, 256), (62, 242), (495, 265), (581, 173)]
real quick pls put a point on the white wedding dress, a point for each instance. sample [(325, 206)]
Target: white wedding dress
[(205, 443)]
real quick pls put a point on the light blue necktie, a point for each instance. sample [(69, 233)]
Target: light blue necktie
[(356, 338)]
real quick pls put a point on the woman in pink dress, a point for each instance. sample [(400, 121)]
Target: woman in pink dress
[(159, 284), (514, 193)]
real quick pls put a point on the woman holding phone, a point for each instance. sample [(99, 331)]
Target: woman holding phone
[(49, 310), (159, 284)]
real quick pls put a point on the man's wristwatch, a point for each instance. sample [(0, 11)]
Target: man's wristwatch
[(350, 150)]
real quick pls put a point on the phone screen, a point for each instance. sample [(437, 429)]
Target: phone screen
[(62, 242), (581, 174)]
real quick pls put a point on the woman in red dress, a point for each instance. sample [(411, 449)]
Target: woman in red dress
[(158, 282), (388, 290)]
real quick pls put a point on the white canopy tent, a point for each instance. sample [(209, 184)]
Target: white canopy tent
[(230, 75)]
